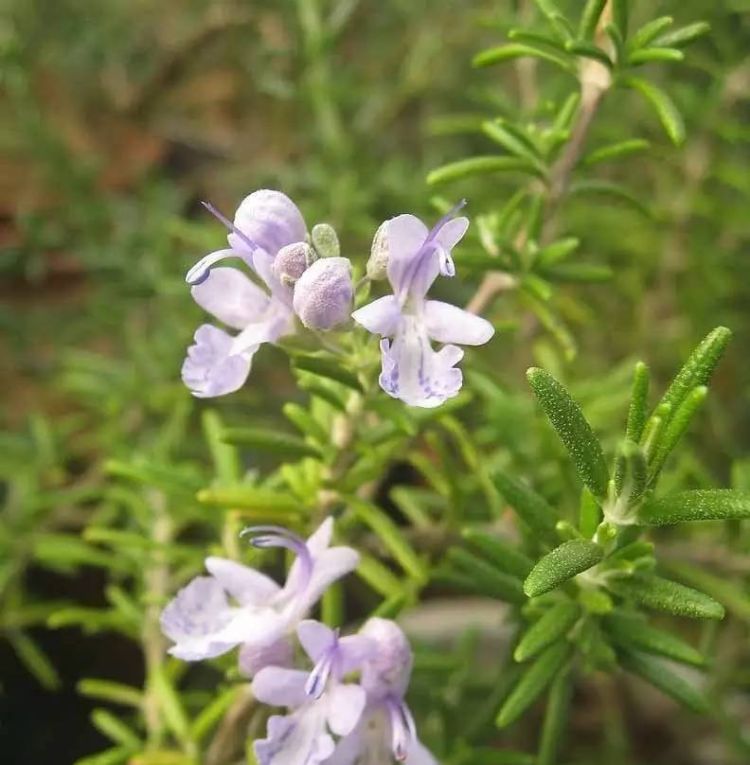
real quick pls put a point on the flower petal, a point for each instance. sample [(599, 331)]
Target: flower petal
[(406, 235), (297, 739), (277, 321), (231, 297), (346, 703), (329, 566), (210, 368), (354, 651), (418, 754), (413, 372), (196, 619), (447, 323), (380, 317), (244, 584), (280, 687), (452, 232), (320, 539), (270, 220), (315, 638), (253, 657)]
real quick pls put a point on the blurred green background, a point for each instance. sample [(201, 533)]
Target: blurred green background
[(117, 117)]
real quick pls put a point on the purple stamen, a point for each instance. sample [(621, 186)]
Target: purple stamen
[(318, 678), (277, 536), (228, 223), (403, 730)]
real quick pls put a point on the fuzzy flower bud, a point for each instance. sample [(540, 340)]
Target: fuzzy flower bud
[(325, 240), (323, 294), (292, 261), (377, 265)]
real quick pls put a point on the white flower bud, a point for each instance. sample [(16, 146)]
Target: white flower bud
[(292, 261), (323, 294), (377, 265)]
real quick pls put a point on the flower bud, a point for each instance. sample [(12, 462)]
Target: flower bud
[(389, 669), (323, 294), (325, 240), (377, 265), (292, 261)]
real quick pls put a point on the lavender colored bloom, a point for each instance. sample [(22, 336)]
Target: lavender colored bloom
[(218, 362), (323, 294), (292, 261), (203, 622), (321, 704), (411, 370), (386, 728)]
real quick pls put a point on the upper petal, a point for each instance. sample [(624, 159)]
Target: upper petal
[(315, 638), (406, 235), (354, 651), (319, 540), (231, 297), (245, 584), (447, 323), (452, 232), (270, 219), (346, 703), (280, 687), (210, 368), (418, 754), (380, 317), (331, 565)]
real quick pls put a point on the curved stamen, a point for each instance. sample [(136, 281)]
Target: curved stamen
[(403, 730), (277, 536), (200, 271), (318, 678), (228, 223)]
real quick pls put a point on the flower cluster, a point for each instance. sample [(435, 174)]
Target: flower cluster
[(369, 718), (299, 275)]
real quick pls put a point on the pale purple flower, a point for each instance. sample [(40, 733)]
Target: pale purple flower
[(203, 622), (386, 729), (321, 703), (323, 294), (218, 362), (411, 370)]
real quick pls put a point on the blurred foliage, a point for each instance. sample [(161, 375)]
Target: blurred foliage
[(119, 117)]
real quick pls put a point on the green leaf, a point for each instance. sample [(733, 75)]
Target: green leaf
[(659, 675), (214, 711), (511, 51), (267, 504), (666, 111), (494, 582), (587, 50), (620, 13), (328, 368), (377, 576), (115, 729), (585, 273), (502, 554), (225, 458), (664, 595), (676, 427), (113, 756), (555, 718), (728, 593), (638, 410), (465, 168), (613, 190), (391, 607), (551, 626), (531, 507), (575, 433), (513, 140), (557, 251), (632, 471), (170, 704), (649, 55), (615, 151), (684, 35), (271, 442), (562, 563), (589, 514), (34, 659), (114, 693), (391, 536), (649, 32), (592, 11), (306, 423), (634, 633), (533, 682), (698, 368), (697, 505)]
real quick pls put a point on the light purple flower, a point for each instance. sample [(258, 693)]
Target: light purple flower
[(386, 728), (323, 294), (203, 622), (411, 370), (321, 703), (218, 362)]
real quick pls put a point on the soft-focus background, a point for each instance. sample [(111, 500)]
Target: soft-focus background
[(118, 117)]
